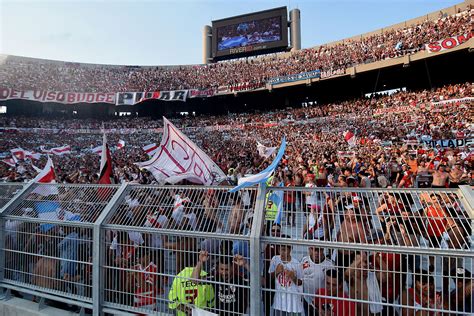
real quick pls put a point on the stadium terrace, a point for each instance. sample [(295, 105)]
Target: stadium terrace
[(333, 180)]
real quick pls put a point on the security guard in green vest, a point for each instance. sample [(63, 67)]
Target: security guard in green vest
[(271, 208)]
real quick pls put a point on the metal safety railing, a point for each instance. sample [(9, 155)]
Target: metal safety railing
[(269, 251), (8, 191), (367, 252), (47, 235), (157, 236)]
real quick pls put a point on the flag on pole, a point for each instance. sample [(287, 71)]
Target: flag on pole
[(121, 144), (178, 158), (349, 138), (265, 151), (18, 153), (46, 175), (263, 175), (151, 149), (105, 163)]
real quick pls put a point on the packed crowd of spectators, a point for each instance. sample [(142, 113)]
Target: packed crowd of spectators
[(151, 270), (156, 271), (167, 273), (26, 74), (385, 143)]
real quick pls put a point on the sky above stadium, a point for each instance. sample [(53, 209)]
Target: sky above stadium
[(135, 32)]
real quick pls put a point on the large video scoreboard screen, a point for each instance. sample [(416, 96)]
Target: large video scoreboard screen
[(250, 33)]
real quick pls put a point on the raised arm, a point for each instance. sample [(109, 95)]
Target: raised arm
[(203, 257)]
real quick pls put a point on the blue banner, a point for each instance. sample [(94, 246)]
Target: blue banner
[(297, 77)]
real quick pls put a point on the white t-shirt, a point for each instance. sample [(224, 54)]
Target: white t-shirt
[(311, 199), (315, 226), (314, 276), (156, 221), (284, 299), (178, 209)]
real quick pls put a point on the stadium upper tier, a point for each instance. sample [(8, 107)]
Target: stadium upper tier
[(37, 74)]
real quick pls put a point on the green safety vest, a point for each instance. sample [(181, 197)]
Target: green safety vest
[(271, 208), (186, 292)]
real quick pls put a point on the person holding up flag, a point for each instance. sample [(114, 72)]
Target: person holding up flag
[(273, 200)]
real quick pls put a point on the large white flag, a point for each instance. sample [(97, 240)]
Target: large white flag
[(151, 149), (265, 151), (178, 158)]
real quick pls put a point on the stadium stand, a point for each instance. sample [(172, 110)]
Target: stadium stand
[(23, 73), (370, 211)]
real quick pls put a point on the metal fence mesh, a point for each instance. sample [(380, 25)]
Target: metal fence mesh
[(157, 237), (332, 252), (172, 250), (48, 238), (8, 191), (63, 203)]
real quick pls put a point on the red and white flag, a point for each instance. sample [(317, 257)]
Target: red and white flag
[(120, 144), (350, 138), (32, 155), (19, 153), (178, 158), (97, 150), (105, 173), (59, 151), (151, 149), (46, 175), (10, 161), (46, 151)]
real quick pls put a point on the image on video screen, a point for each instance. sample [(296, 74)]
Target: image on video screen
[(249, 33)]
